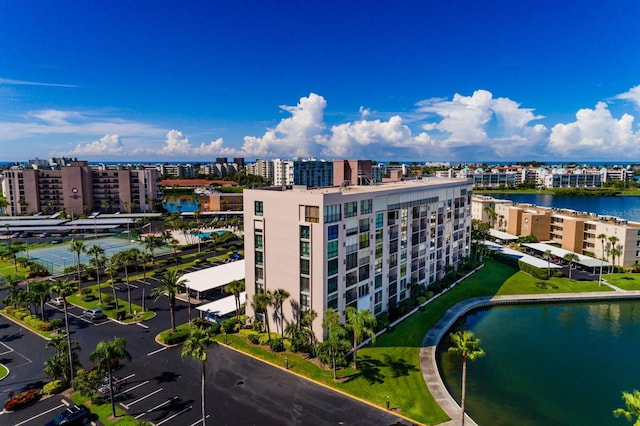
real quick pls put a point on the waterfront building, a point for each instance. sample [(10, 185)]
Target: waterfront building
[(79, 188), (359, 246), (571, 230), (177, 171)]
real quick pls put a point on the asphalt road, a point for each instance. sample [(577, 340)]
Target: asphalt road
[(159, 386)]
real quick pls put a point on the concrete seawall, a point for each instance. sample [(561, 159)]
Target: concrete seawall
[(428, 362)]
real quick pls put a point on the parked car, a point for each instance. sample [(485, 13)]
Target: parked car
[(15, 235), (73, 415), (56, 241), (57, 301), (43, 235), (93, 314)]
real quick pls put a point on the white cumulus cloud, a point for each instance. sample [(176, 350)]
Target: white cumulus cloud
[(297, 135), (106, 145), (596, 134)]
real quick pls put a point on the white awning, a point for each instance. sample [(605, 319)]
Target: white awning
[(526, 258), (223, 306), (217, 276), (504, 236), (558, 252)]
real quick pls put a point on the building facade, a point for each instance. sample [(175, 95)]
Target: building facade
[(602, 237), (79, 188), (360, 246)]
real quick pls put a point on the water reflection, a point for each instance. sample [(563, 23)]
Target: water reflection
[(543, 362)]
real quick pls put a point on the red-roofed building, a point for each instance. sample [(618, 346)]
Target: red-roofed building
[(195, 183)]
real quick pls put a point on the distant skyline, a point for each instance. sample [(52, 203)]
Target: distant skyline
[(152, 80)]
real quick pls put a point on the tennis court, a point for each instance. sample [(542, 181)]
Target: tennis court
[(58, 257)]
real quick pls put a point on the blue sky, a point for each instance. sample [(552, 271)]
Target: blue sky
[(412, 80)]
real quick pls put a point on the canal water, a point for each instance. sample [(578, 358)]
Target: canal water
[(624, 207), (548, 364)]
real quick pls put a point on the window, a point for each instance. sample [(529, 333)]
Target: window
[(378, 236), (364, 240), (332, 213), (366, 206), (378, 297), (304, 266), (332, 267), (305, 301), (332, 232), (312, 214), (332, 285), (305, 232), (332, 249), (258, 239), (259, 273), (363, 290), (305, 248), (352, 261), (364, 225), (351, 209), (363, 273), (259, 258), (258, 207), (352, 278), (305, 284), (379, 220), (332, 302), (379, 251)]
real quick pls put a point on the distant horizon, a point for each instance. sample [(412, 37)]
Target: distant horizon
[(178, 82)]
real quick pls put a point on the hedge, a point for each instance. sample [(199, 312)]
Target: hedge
[(535, 272)]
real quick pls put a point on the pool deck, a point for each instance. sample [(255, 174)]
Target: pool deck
[(428, 363)]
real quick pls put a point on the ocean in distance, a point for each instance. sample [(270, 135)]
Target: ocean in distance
[(624, 207)]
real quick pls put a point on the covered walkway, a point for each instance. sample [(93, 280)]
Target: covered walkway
[(216, 277), (587, 263)]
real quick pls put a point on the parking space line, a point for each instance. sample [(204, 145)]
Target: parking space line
[(41, 414), (175, 415), (131, 388), (125, 378), (126, 406), (156, 407), (139, 324), (156, 351), (9, 349), (200, 420)]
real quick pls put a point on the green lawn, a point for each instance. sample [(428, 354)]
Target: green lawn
[(626, 281), (110, 310), (391, 366), (4, 372), (103, 411)]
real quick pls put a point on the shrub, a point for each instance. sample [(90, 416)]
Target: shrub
[(277, 344), (428, 294), (22, 400), (107, 298), (254, 338), (382, 321), (176, 337), (86, 291), (54, 387), (89, 297), (230, 325), (214, 328), (421, 299), (537, 273), (56, 322), (21, 313)]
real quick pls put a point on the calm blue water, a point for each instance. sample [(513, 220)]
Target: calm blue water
[(625, 207), (549, 365), (175, 204)]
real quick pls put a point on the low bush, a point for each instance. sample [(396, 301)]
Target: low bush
[(22, 399), (230, 325), (54, 387), (175, 337), (277, 344), (254, 338), (421, 299), (56, 322), (86, 291), (21, 313)]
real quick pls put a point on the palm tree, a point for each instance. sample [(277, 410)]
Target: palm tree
[(11, 282), (613, 240), (570, 257), (123, 258), (335, 336), (235, 287), (145, 258), (360, 324), (57, 366), (602, 238), (98, 262), (65, 288), (279, 296), (40, 289), (491, 214), (169, 283), (547, 255), (196, 347), (151, 243), (112, 269), (11, 252), (261, 301), (106, 354), (77, 247), (632, 404), (468, 346)]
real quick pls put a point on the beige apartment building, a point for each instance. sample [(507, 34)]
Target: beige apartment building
[(571, 230), (79, 188), (359, 246)]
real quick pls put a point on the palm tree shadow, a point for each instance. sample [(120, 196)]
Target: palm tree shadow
[(400, 367), (369, 369)]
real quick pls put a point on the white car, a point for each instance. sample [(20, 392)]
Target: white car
[(58, 301)]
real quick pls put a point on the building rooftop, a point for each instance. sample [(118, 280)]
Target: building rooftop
[(386, 186)]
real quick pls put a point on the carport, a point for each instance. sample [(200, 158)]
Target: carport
[(501, 236), (214, 278), (526, 258), (218, 310), (586, 262)]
